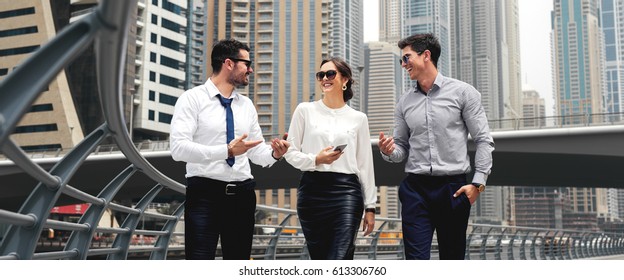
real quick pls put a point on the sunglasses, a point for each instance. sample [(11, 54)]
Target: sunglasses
[(405, 58), (247, 62), (331, 74)]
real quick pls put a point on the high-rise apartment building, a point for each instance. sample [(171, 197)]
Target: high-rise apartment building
[(539, 207), (474, 49), (382, 79), (52, 122), (390, 21), (577, 60), (612, 20), (485, 52), (288, 40), (347, 37), (161, 64), (509, 70), (196, 54), (533, 108), (428, 16)]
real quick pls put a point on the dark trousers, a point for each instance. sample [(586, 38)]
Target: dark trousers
[(330, 207), (211, 213), (427, 204)]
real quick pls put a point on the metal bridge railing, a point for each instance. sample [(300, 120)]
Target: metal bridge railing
[(107, 28)]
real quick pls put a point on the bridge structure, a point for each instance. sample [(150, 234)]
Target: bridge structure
[(32, 187)]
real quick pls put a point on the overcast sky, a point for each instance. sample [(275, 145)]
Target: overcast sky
[(534, 43)]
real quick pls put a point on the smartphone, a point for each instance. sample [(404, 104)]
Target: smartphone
[(340, 148)]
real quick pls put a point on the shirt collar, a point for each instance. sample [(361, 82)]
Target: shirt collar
[(437, 83), (213, 91)]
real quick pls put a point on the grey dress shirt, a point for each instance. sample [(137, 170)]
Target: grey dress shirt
[(431, 129)]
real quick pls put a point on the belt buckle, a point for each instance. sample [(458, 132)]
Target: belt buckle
[(228, 191)]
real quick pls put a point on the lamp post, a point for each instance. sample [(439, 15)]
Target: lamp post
[(361, 90)]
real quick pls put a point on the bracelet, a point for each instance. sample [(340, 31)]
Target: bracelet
[(278, 159), (230, 153), (371, 210)]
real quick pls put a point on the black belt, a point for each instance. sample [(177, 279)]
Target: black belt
[(230, 188), (459, 178)]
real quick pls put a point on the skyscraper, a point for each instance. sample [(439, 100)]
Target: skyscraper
[(52, 122), (428, 16), (577, 55), (474, 49), (288, 40), (382, 80), (390, 21), (612, 19), (161, 63), (347, 37), (196, 55), (485, 52), (508, 38), (533, 108)]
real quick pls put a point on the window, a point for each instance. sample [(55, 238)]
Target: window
[(152, 57), (170, 81), (168, 43), (150, 115), (164, 118), (36, 128), (154, 38), (152, 95), (169, 62), (152, 76), (41, 147), (41, 108), (170, 25), (172, 7), (18, 31), (15, 13), (154, 19), (155, 2), (167, 99), (15, 51)]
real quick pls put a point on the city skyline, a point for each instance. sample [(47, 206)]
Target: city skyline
[(535, 49)]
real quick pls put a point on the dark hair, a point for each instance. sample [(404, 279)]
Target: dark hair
[(225, 49), (422, 42), (345, 71)]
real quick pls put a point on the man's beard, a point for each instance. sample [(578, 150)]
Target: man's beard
[(239, 81)]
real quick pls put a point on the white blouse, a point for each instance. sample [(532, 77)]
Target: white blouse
[(314, 127)]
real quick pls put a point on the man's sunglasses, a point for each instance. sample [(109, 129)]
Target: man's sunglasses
[(247, 62), (404, 59), (331, 74)]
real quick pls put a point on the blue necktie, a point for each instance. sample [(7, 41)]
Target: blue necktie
[(229, 119)]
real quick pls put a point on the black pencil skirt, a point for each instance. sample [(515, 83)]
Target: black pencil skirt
[(330, 207)]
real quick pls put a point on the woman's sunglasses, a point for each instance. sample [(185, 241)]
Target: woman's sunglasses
[(331, 74)]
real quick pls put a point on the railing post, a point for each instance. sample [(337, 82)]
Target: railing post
[(372, 249), (272, 247), (468, 242), (497, 246), (484, 244), (510, 248)]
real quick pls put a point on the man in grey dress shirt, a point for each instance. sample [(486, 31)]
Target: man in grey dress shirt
[(432, 124)]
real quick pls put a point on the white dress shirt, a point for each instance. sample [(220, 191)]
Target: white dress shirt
[(198, 135), (314, 126)]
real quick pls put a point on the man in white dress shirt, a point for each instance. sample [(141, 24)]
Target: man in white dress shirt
[(215, 131)]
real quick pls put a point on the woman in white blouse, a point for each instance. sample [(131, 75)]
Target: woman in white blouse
[(338, 181)]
